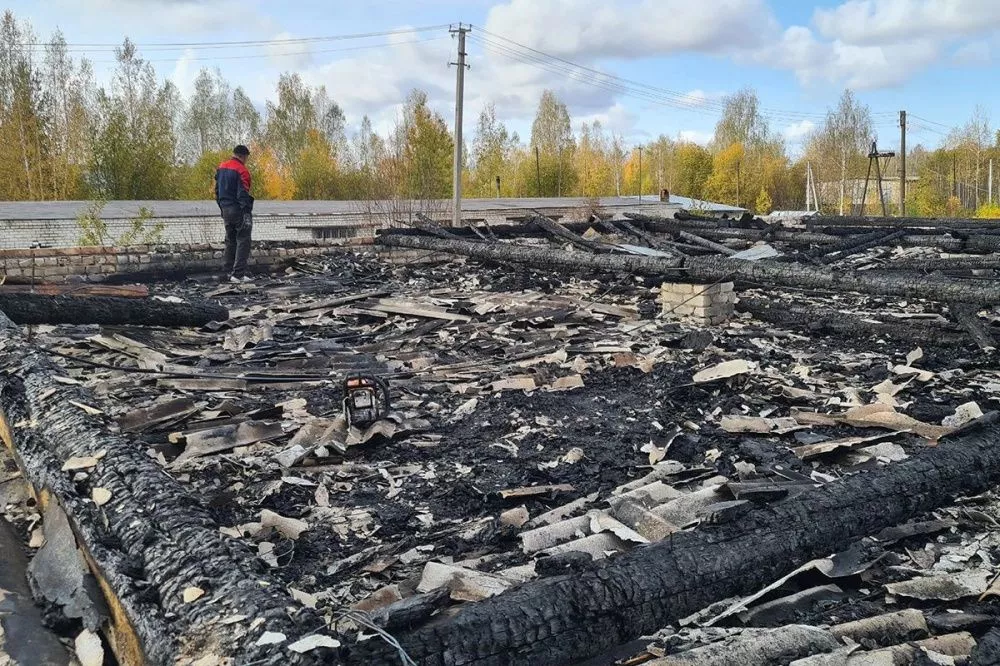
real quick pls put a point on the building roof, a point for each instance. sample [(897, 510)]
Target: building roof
[(61, 210), (689, 204)]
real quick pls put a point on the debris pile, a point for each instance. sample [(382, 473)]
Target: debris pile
[(807, 481)]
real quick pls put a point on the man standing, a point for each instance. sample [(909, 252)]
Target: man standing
[(232, 193)]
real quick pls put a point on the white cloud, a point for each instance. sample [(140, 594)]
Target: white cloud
[(288, 56), (376, 82), (798, 131), (973, 53), (871, 22), (617, 119), (837, 62), (696, 136), (632, 28), (183, 16)]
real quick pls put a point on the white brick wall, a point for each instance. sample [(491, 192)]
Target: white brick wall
[(21, 233)]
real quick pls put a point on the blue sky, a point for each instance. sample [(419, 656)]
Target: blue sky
[(935, 58)]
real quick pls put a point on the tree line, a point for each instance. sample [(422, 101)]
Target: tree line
[(64, 137)]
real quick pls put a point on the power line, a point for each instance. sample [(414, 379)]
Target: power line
[(285, 54), (612, 84), (660, 93), (77, 47)]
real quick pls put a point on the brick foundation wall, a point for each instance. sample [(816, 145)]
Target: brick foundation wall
[(703, 305), (96, 264), (15, 234)]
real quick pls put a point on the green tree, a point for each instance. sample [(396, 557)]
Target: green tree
[(552, 138), (763, 204), (427, 151), (694, 167), (289, 120), (246, 119), (728, 182), (493, 148), (841, 145), (209, 119), (743, 123), (69, 91), (134, 144), (24, 117), (315, 169)]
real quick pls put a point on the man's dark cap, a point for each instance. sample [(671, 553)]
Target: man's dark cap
[(241, 150)]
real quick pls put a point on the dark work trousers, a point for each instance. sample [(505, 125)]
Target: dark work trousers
[(237, 241)]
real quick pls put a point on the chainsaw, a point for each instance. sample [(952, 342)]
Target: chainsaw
[(366, 400)]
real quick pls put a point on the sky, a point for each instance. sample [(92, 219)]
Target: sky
[(676, 59)]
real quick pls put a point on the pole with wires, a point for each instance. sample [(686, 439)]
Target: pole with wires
[(456, 215)]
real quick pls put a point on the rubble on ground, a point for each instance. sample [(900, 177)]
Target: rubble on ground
[(541, 422)]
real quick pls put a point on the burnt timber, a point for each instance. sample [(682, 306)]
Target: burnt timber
[(146, 567)]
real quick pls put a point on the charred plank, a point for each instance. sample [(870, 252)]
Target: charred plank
[(107, 310), (568, 618)]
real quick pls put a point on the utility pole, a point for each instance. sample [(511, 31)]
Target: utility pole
[(456, 217), (989, 186), (640, 174), (902, 163)]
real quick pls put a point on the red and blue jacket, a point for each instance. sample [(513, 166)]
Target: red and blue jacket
[(232, 186)]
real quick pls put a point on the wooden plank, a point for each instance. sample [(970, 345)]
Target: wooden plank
[(411, 309), (124, 291), (203, 384)]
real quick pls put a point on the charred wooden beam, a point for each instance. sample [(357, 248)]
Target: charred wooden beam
[(559, 231), (945, 265), (705, 243), (680, 220), (107, 310), (825, 321), (968, 317), (860, 245), (540, 256), (649, 239), (150, 541), (899, 222), (428, 225), (719, 269), (567, 618), (129, 291)]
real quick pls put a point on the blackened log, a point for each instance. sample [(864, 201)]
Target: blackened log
[(704, 242), (825, 321), (713, 269), (900, 222), (649, 239), (968, 317), (559, 231), (945, 265), (719, 269), (431, 227), (846, 243), (680, 220), (804, 238), (539, 256), (860, 245), (151, 540), (566, 619), (107, 310)]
